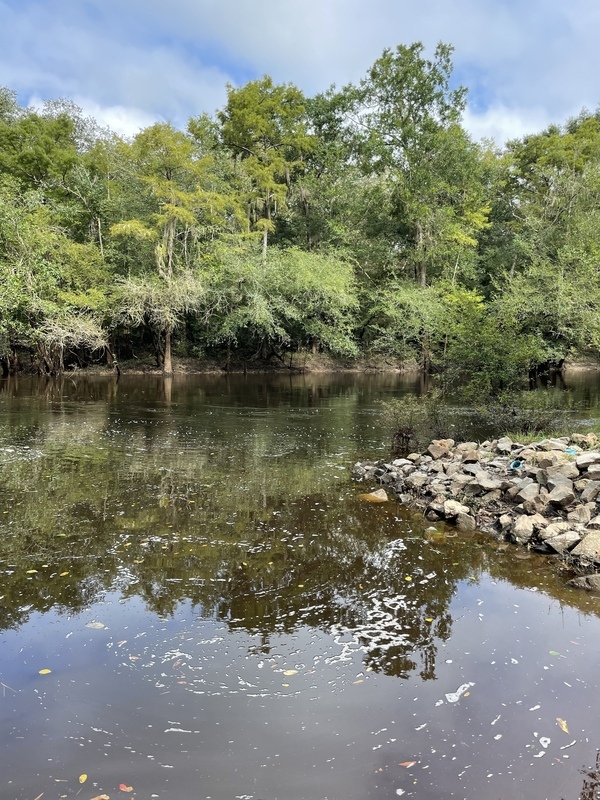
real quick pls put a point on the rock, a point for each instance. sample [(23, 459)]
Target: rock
[(553, 444), (358, 470), (553, 529), (536, 505), (524, 528), (593, 472), (594, 524), (465, 447), (505, 521), (590, 440), (472, 457), (465, 522), (589, 582), (453, 508), (528, 492), (561, 496), (580, 514), (504, 445), (591, 491), (586, 459), (416, 480), (491, 497), (568, 470), (437, 466), (472, 469), (414, 457), (400, 462), (378, 496), (405, 499), (558, 480), (453, 468), (588, 548), (487, 482), (564, 541), (440, 448)]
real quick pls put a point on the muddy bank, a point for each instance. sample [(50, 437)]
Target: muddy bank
[(544, 496)]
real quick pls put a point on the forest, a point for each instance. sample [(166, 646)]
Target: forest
[(363, 222)]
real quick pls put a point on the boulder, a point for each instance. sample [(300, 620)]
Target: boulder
[(564, 541), (537, 505), (504, 445), (465, 522), (589, 582), (553, 529), (440, 448), (561, 496), (593, 472), (591, 491), (553, 444), (594, 524), (558, 480), (378, 496), (588, 548), (524, 528), (580, 515), (472, 457), (568, 470), (587, 459), (416, 480), (528, 492), (453, 508)]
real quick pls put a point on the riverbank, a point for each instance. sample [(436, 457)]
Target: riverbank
[(544, 495)]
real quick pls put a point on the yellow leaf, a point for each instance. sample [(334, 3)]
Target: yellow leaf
[(562, 724), (428, 619), (408, 578), (360, 680), (31, 571), (62, 574), (45, 671), (285, 684), (290, 671), (82, 778)]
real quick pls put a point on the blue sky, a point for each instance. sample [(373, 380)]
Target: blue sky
[(131, 62)]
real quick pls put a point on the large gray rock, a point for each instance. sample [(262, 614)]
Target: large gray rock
[(558, 480), (589, 582), (586, 459), (554, 529), (440, 448), (553, 444), (416, 480), (487, 482), (568, 470), (561, 496), (580, 515), (588, 548), (504, 445), (564, 541), (524, 528), (465, 522), (528, 492), (594, 524), (593, 472), (452, 508), (379, 496), (591, 491)]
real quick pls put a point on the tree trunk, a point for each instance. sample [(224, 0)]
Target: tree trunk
[(167, 364)]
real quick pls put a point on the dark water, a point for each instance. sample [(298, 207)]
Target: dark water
[(223, 618)]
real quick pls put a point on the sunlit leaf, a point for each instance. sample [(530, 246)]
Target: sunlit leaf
[(124, 788), (562, 724), (290, 671), (428, 619), (82, 778), (31, 571), (101, 797), (45, 671), (97, 626), (360, 680), (63, 574), (408, 763)]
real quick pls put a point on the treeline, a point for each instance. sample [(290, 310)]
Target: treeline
[(361, 221)]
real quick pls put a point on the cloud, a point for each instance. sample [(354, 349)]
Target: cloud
[(523, 62)]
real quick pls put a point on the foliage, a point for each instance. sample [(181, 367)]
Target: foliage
[(413, 421)]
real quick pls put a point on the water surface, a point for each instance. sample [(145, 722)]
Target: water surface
[(222, 617)]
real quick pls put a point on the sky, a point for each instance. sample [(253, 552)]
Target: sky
[(129, 63)]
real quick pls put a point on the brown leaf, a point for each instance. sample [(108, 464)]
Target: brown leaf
[(408, 764)]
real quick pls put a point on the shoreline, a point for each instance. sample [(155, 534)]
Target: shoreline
[(544, 496)]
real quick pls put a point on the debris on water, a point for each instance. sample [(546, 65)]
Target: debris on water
[(545, 741), (97, 626), (454, 697), (562, 724)]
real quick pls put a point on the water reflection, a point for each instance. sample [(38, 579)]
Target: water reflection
[(199, 542)]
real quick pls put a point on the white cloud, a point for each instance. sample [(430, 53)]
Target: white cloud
[(501, 124), (525, 63)]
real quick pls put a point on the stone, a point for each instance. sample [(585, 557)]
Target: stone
[(435, 512), (523, 529), (589, 440), (472, 469), (588, 548), (527, 492), (591, 491), (416, 480), (487, 482), (536, 505), (438, 449), (558, 480), (586, 459), (452, 469), (405, 499), (378, 496), (564, 541), (594, 524), (472, 457), (453, 508), (580, 515), (400, 462), (505, 521), (561, 496), (593, 472), (465, 522), (465, 447), (491, 497), (590, 583), (504, 445), (437, 466), (569, 470), (415, 458), (553, 529), (553, 444)]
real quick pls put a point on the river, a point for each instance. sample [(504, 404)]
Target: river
[(196, 605)]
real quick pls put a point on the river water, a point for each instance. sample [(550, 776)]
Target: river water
[(196, 605)]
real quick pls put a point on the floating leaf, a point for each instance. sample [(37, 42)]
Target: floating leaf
[(428, 619), (285, 684), (45, 671), (82, 778), (562, 724), (408, 764), (360, 680), (290, 671), (101, 797), (408, 578), (97, 626), (31, 571), (124, 788), (63, 574), (554, 653)]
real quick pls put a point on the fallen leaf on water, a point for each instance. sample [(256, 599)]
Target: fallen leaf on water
[(31, 571), (408, 763), (39, 795), (101, 797), (62, 574), (285, 684), (428, 619), (82, 778), (562, 724), (554, 653), (408, 578), (290, 671), (45, 671), (124, 788), (97, 626), (360, 680)]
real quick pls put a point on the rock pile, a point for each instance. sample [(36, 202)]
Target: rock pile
[(544, 495)]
